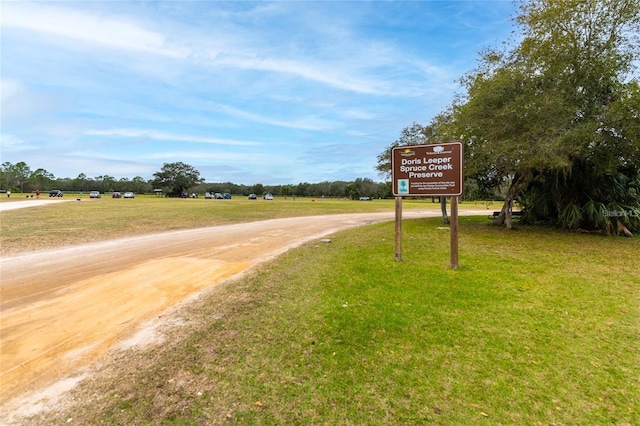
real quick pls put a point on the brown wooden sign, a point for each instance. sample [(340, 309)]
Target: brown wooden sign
[(427, 170)]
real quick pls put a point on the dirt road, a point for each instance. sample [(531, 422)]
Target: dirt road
[(31, 202), (61, 309)]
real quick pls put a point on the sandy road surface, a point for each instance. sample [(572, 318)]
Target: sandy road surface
[(14, 205), (62, 308)]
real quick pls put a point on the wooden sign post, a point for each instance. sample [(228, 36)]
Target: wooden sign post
[(453, 226), (398, 229)]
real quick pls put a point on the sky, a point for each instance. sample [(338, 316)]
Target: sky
[(245, 92)]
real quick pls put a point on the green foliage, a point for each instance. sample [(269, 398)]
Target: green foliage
[(44, 180), (177, 178), (258, 188), (585, 199), (571, 216), (557, 115), (594, 214), (16, 176), (583, 53)]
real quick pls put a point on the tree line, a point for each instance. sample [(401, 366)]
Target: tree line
[(21, 178), (552, 120), (174, 179)]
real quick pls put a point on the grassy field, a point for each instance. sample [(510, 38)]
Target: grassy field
[(106, 218), (537, 326)]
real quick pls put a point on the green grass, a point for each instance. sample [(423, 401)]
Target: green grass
[(93, 220), (536, 327)]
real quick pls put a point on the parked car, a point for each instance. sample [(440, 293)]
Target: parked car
[(253, 197), (55, 193), (208, 196), (365, 198), (227, 196), (218, 196), (184, 195), (129, 194), (116, 195), (267, 196), (94, 194)]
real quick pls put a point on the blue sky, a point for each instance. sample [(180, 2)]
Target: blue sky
[(247, 92)]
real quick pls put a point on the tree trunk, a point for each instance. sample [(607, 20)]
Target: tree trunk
[(504, 218), (508, 218), (443, 207)]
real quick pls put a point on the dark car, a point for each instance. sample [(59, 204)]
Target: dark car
[(253, 197), (116, 195), (227, 196), (184, 195), (55, 193)]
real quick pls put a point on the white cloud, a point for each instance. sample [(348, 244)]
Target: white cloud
[(10, 88), (112, 32), (242, 160), (153, 134), (11, 143), (305, 123), (347, 65), (330, 74), (359, 114)]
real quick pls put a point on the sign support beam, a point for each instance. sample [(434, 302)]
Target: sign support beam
[(454, 232), (398, 229)]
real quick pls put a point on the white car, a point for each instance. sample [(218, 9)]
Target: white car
[(129, 195), (94, 194)]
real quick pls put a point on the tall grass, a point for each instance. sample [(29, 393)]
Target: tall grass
[(537, 326)]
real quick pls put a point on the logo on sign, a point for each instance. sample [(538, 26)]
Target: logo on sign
[(438, 149), (407, 152)]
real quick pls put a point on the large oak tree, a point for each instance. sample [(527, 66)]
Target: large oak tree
[(177, 177), (556, 115)]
